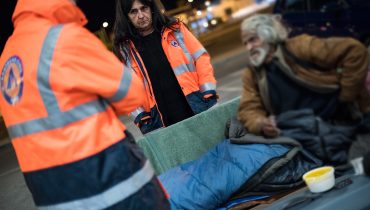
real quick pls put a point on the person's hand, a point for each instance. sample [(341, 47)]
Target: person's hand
[(269, 127), (210, 96)]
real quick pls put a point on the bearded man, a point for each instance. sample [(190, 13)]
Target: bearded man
[(303, 72)]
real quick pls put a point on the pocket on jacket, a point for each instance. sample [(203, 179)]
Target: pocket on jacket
[(152, 123), (198, 104)]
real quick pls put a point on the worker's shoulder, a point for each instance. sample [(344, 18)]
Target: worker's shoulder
[(74, 35), (73, 30)]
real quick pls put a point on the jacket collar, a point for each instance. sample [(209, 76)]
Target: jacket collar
[(57, 11), (176, 27)]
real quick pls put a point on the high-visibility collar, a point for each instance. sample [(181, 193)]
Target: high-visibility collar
[(57, 11)]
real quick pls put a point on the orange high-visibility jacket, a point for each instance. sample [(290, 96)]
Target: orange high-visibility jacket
[(191, 65), (62, 92)]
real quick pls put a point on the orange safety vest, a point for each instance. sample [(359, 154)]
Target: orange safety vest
[(189, 61), (62, 92)]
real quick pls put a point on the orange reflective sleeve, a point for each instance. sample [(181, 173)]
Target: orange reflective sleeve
[(202, 60), (89, 67)]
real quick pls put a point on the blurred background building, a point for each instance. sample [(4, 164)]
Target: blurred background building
[(205, 18)]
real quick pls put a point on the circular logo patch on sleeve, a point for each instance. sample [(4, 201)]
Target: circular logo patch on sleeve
[(174, 43), (12, 80)]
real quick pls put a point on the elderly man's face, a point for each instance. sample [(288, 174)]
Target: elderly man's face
[(257, 49)]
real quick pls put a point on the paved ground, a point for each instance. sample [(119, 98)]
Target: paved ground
[(14, 194)]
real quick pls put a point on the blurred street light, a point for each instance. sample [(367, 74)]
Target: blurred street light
[(105, 24), (199, 13), (213, 22), (207, 3), (190, 1)]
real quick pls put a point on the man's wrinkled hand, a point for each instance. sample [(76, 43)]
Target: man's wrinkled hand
[(269, 127)]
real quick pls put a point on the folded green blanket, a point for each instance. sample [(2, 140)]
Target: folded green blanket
[(188, 139)]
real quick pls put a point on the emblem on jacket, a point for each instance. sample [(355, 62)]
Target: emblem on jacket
[(12, 80), (174, 43)]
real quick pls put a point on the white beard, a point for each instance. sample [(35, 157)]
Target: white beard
[(258, 56)]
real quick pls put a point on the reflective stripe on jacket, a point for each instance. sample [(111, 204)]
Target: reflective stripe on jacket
[(190, 63), (62, 91)]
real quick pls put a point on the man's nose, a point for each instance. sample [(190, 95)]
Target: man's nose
[(140, 14), (249, 46)]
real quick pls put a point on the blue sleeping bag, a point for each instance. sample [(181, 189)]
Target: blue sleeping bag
[(208, 182)]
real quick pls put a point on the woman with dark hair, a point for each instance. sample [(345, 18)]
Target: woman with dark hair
[(173, 65), (124, 30)]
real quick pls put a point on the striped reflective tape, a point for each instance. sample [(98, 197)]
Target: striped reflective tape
[(136, 113), (129, 65), (180, 39), (199, 53), (143, 71), (123, 87), (109, 197), (43, 71), (58, 119), (207, 86), (184, 68)]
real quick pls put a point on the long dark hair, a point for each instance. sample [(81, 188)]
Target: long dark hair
[(124, 31)]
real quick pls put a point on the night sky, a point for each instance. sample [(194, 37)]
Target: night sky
[(97, 13), (169, 4), (6, 26)]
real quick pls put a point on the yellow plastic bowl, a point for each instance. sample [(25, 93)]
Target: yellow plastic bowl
[(320, 179)]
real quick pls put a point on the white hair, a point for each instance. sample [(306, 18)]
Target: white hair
[(267, 27)]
